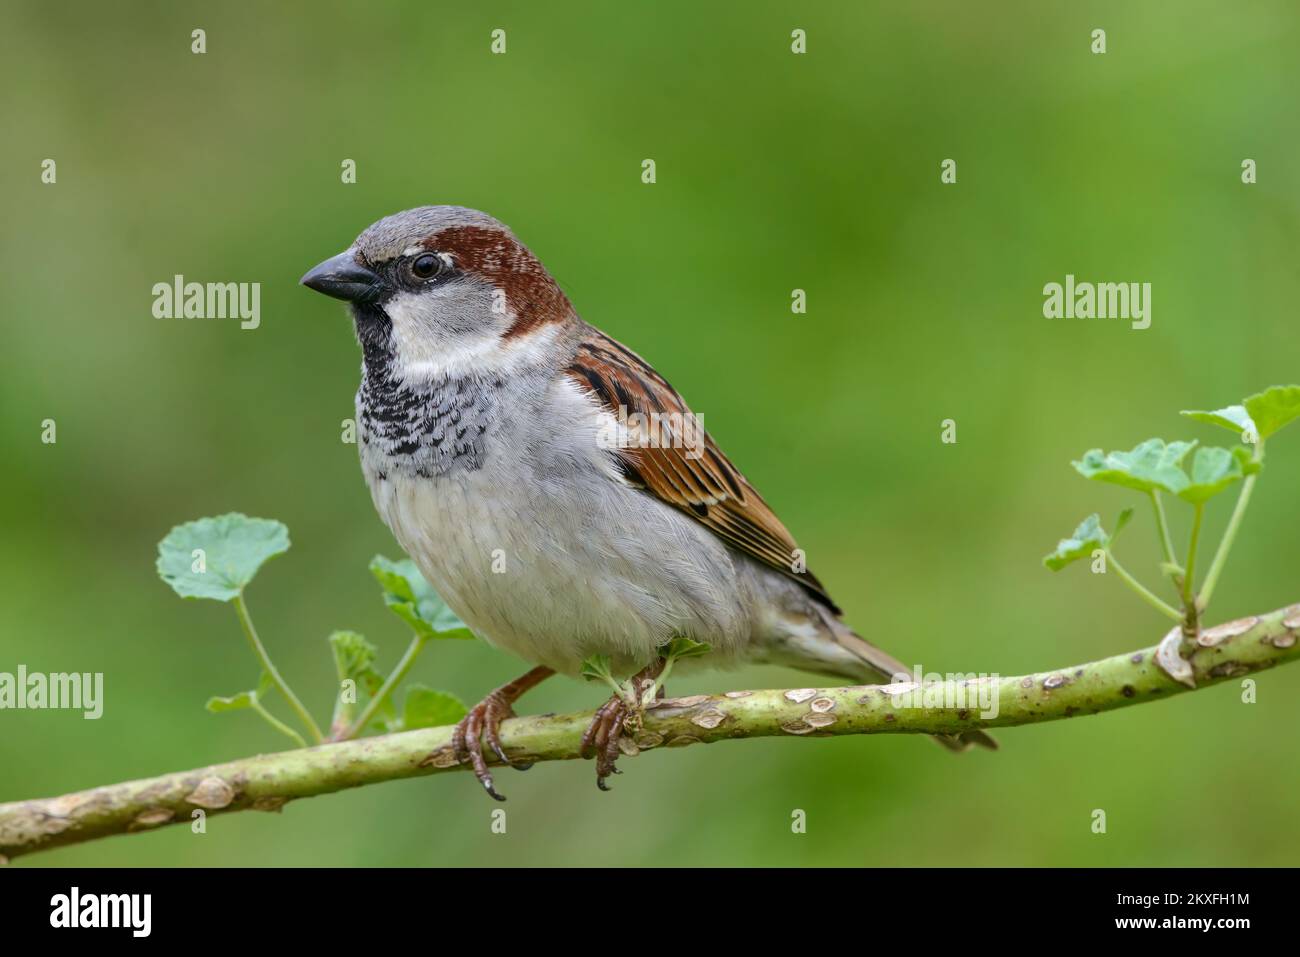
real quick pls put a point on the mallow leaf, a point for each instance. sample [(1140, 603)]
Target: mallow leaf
[(1120, 521), (597, 668), (1087, 538), (216, 557), (353, 655), (680, 648), (427, 708), (414, 601), (1214, 469), (1258, 416), (354, 658), (1273, 408), (236, 702), (243, 700), (1150, 465), (1234, 418)]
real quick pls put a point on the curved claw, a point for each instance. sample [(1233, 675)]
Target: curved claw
[(593, 737), (609, 755), (483, 722), (467, 741), (472, 740), (601, 738), (495, 715)]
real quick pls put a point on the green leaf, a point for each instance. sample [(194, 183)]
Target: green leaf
[(680, 648), (427, 708), (1234, 418), (393, 576), (354, 658), (1214, 469), (1120, 522), (414, 601), (236, 702), (597, 668), (1150, 465), (1258, 416), (1273, 408), (216, 557), (353, 655), (1087, 538)]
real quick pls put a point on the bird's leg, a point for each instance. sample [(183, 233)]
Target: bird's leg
[(601, 737), (484, 722)]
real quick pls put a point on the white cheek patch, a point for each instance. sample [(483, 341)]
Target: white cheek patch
[(429, 348), (424, 340)]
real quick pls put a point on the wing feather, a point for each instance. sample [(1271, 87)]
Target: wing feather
[(706, 487)]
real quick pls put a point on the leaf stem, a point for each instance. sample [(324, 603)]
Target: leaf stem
[(660, 681), (1189, 577), (241, 610), (394, 678), (1225, 544), (1145, 594), (342, 716), (279, 725), (1163, 525)]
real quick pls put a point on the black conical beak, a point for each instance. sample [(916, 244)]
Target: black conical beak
[(342, 278)]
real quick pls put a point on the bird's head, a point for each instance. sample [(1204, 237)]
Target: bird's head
[(440, 285)]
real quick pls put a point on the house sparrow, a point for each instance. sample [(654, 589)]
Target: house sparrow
[(510, 448)]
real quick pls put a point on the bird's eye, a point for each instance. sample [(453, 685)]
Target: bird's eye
[(426, 266)]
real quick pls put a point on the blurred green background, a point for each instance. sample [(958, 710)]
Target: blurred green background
[(775, 172)]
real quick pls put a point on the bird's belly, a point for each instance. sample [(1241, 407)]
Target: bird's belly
[(556, 571)]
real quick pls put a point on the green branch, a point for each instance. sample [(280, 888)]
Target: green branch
[(267, 782)]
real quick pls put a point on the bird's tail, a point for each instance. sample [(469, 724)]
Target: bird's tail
[(816, 640), (885, 666)]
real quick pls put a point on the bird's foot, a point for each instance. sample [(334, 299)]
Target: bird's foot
[(483, 723), (620, 712)]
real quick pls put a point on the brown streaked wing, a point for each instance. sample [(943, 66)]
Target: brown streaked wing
[(709, 488)]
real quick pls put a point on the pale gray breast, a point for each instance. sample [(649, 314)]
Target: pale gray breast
[(589, 564)]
